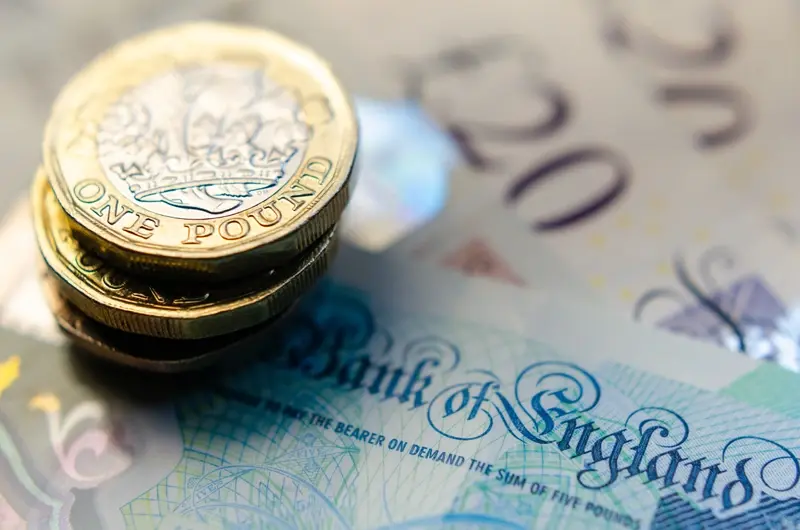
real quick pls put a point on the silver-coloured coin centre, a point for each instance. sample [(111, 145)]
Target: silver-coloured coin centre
[(203, 142)]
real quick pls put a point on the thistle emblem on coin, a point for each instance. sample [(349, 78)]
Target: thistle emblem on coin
[(203, 142)]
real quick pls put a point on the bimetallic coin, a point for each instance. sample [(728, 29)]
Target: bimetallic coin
[(153, 354), (203, 148), (167, 309)]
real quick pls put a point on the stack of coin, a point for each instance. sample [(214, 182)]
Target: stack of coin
[(191, 186)]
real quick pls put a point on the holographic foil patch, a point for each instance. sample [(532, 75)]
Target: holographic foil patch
[(402, 170), (745, 317)]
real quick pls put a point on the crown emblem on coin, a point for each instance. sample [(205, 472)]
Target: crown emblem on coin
[(205, 139)]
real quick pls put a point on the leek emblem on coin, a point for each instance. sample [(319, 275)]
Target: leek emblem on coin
[(202, 148)]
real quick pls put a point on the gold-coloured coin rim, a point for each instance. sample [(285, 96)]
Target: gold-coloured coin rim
[(70, 152), (90, 337), (136, 305)]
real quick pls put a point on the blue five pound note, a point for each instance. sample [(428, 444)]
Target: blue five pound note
[(377, 408)]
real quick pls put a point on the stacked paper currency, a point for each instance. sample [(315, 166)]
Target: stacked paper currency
[(566, 295)]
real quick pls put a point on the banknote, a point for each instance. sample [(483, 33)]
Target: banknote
[(727, 71), (403, 397), (524, 91), (611, 189), (580, 152)]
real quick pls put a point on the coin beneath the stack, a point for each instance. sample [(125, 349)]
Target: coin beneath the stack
[(202, 149), (153, 354), (167, 308)]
